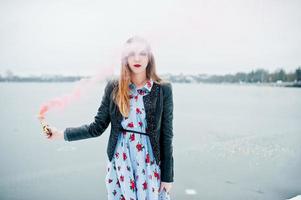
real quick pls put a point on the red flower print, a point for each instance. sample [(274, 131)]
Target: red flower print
[(117, 155), (136, 97), (132, 185), (124, 156), (122, 197), (132, 137), (141, 92), (138, 111), (156, 175), (147, 159), (131, 96), (110, 181), (139, 147), (140, 124), (131, 124), (144, 185), (122, 178)]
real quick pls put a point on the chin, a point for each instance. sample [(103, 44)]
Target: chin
[(138, 71)]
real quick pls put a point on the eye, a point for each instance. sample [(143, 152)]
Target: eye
[(143, 53), (131, 53)]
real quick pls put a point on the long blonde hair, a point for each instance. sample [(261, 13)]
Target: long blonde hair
[(121, 93)]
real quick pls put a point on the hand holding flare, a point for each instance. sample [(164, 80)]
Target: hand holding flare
[(45, 126), (51, 132)]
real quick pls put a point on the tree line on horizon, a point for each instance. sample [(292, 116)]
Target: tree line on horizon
[(254, 76)]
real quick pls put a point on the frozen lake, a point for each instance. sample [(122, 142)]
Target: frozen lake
[(230, 142)]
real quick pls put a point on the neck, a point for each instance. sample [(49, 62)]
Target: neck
[(139, 79)]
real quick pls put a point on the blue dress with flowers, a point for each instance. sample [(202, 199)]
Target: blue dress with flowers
[(133, 174)]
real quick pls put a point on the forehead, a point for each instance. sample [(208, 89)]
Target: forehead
[(136, 47)]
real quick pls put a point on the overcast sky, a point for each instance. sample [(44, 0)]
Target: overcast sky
[(203, 36)]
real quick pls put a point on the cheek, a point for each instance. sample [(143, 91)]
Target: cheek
[(131, 63), (145, 61)]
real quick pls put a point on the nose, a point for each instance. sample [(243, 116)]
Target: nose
[(136, 57)]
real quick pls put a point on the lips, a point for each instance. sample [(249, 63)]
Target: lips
[(137, 65)]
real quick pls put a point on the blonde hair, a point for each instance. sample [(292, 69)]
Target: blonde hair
[(121, 93)]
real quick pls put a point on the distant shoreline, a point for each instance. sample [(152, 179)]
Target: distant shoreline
[(271, 84), (260, 77), (274, 84)]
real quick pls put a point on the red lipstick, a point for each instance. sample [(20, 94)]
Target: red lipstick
[(137, 65)]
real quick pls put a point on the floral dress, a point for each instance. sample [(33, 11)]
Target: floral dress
[(133, 174)]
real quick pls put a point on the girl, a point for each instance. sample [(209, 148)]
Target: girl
[(139, 106)]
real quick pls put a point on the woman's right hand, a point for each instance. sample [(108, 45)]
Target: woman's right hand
[(56, 134)]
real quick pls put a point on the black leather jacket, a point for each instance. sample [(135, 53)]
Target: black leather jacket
[(158, 106)]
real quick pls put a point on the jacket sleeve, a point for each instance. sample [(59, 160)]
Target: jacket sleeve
[(166, 136), (98, 126)]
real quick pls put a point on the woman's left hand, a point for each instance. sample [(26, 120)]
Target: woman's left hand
[(165, 185)]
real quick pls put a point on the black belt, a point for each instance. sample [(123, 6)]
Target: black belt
[(122, 129)]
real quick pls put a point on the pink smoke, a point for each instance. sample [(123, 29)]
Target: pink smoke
[(83, 85)]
